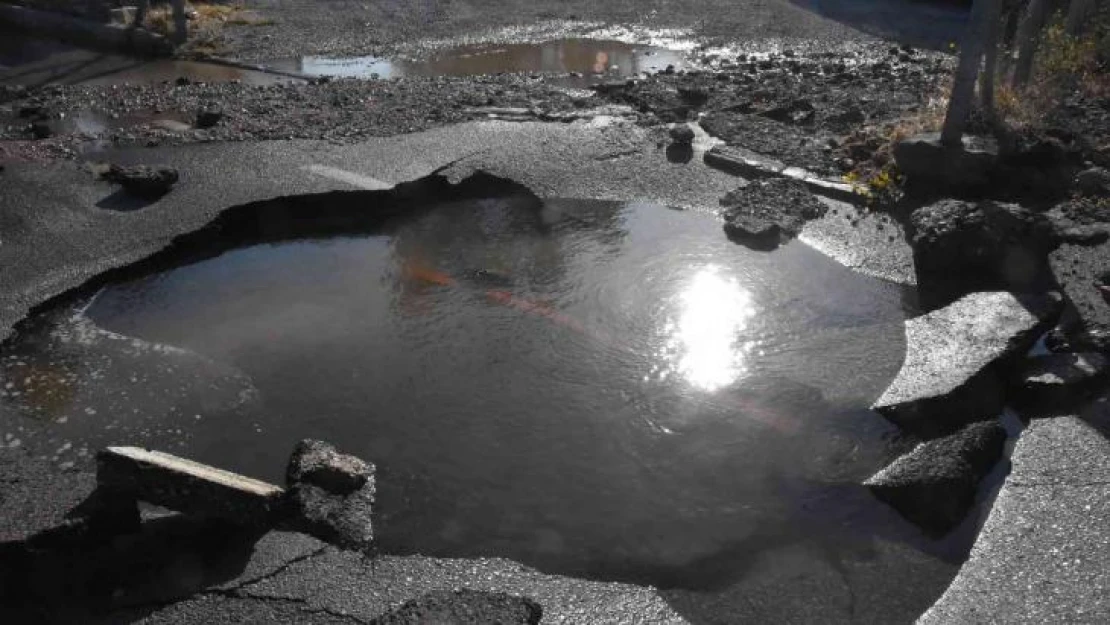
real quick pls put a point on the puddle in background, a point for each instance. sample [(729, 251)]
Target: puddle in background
[(30, 61), (585, 56), (599, 389)]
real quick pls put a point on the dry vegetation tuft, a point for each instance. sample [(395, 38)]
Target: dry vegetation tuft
[(205, 25)]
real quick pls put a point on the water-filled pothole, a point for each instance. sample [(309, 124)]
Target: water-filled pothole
[(600, 389), (562, 56)]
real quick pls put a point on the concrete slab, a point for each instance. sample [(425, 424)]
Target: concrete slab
[(949, 377), (1044, 554)]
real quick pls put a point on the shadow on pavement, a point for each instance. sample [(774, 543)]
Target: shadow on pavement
[(72, 575), (932, 25), (124, 202)]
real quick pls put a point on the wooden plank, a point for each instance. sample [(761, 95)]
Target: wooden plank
[(187, 486)]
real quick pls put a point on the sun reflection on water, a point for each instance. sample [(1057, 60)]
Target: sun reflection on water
[(703, 342)]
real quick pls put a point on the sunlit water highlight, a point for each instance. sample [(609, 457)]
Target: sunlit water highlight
[(705, 345)]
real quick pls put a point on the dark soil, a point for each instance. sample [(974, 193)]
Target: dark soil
[(791, 105), (342, 110)]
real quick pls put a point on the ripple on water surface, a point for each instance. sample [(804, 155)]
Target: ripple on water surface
[(593, 388)]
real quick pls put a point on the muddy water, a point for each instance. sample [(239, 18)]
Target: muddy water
[(600, 389), (585, 56)]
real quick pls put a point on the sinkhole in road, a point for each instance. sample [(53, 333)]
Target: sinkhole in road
[(610, 390), (560, 56)]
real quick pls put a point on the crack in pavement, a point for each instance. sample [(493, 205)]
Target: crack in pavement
[(231, 592), (243, 585), (301, 604)]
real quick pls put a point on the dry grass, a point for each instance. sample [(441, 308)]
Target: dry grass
[(204, 27), (929, 118), (1064, 66)]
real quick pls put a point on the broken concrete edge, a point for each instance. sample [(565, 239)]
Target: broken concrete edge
[(307, 215), (934, 394), (1043, 555), (748, 164), (83, 32)]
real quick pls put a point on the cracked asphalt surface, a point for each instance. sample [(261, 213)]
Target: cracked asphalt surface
[(607, 158), (1042, 557)]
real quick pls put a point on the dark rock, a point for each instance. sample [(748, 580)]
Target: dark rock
[(693, 95), (1081, 273), (799, 112), (143, 180), (680, 153), (1034, 167), (767, 213), (209, 116), (1093, 182), (934, 485), (1080, 211), (331, 495), (952, 372), (1055, 381), (983, 244), (1026, 149), (318, 463), (788, 143), (1082, 221), (682, 134), (41, 129), (33, 110), (851, 116), (929, 165), (464, 607), (182, 81)]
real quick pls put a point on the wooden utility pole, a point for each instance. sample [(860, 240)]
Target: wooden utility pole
[(993, 17), (180, 22), (1029, 34), (967, 71)]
